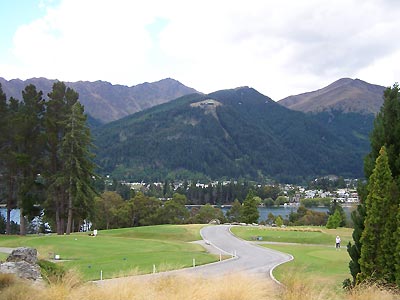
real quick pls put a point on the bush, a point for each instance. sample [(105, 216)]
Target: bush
[(50, 271)]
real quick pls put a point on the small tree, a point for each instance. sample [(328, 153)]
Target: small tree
[(207, 213), (174, 211), (250, 212), (235, 213), (279, 221), (334, 220)]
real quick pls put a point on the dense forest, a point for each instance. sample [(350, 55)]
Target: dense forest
[(237, 134)]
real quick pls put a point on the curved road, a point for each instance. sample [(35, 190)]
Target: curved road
[(249, 257)]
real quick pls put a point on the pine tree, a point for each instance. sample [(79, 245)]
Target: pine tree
[(10, 158), (78, 165), (29, 152), (372, 260), (7, 182), (58, 109)]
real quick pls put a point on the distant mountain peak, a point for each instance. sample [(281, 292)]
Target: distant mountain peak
[(107, 102), (345, 94)]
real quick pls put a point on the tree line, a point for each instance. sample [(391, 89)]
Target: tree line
[(375, 252), (112, 211), (45, 158)]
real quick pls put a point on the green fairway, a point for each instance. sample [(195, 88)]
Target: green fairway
[(324, 266), (121, 251), (303, 235)]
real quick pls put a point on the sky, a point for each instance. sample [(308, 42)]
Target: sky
[(280, 48)]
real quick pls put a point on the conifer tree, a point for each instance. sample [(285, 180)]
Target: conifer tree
[(373, 255), (354, 250), (6, 180), (29, 152), (78, 165), (10, 158), (397, 251), (386, 133), (59, 108)]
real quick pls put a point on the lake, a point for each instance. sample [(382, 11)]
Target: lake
[(282, 211)]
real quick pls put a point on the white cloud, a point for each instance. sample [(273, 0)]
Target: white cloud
[(277, 47)]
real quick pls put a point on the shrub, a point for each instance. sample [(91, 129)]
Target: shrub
[(50, 271)]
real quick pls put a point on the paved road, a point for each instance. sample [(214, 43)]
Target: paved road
[(249, 257), (6, 250)]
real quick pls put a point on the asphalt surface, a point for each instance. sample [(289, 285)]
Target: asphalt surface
[(247, 257)]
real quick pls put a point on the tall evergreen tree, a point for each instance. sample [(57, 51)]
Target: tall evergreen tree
[(6, 183), (78, 165), (58, 109), (10, 158), (385, 133), (29, 152), (354, 250), (397, 251), (373, 255)]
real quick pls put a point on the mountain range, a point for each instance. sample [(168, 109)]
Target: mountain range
[(237, 133), (105, 102)]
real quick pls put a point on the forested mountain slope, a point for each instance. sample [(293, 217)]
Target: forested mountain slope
[(230, 134)]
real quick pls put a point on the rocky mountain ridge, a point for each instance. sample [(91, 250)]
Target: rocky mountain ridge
[(104, 101), (346, 95)]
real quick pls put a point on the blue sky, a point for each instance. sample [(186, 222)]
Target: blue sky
[(12, 15), (280, 48)]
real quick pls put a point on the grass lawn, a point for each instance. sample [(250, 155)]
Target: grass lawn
[(315, 256), (325, 266), (121, 251), (303, 235)]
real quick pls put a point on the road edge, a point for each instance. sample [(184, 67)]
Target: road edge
[(291, 257)]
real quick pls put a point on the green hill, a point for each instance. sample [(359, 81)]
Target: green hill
[(236, 133)]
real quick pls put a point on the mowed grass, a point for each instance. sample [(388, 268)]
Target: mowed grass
[(122, 251), (325, 266), (296, 234), (315, 256)]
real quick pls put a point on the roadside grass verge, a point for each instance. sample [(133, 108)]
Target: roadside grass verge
[(121, 252)]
